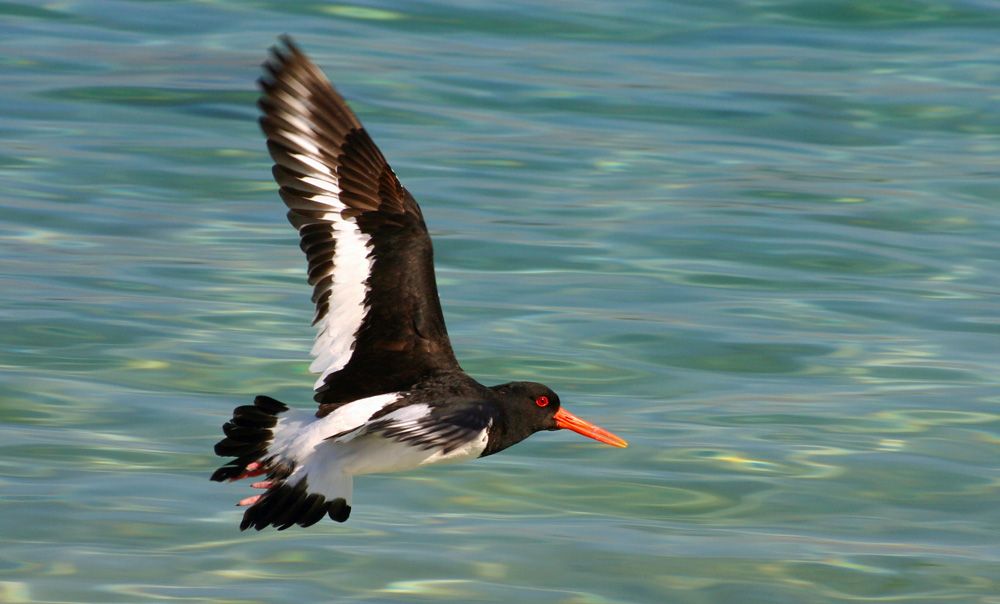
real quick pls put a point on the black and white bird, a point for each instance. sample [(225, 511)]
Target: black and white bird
[(391, 394)]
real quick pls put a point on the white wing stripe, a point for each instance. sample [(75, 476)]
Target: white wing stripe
[(324, 184), (352, 261), (298, 105), (301, 141), (347, 310), (300, 88), (300, 124), (315, 164)]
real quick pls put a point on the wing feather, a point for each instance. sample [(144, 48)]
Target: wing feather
[(370, 259)]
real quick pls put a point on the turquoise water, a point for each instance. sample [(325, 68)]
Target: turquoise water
[(756, 239)]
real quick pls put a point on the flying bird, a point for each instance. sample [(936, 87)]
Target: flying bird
[(391, 394)]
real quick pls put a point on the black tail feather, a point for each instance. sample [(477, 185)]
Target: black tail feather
[(248, 434), (270, 405), (284, 505)]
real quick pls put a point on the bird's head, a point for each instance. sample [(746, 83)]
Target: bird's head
[(532, 407)]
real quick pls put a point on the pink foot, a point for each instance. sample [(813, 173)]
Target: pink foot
[(249, 501), (264, 484), (254, 468)]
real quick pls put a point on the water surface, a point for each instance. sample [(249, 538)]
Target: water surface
[(757, 239)]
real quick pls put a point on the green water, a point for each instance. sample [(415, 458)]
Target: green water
[(756, 239)]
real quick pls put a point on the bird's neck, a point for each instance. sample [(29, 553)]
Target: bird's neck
[(504, 431)]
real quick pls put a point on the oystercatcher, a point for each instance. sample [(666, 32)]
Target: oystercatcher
[(391, 394)]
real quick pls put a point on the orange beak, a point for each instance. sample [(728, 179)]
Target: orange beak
[(567, 421)]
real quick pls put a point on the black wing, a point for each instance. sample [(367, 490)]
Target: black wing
[(371, 264), (444, 427)]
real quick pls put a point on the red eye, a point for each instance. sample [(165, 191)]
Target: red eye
[(542, 401)]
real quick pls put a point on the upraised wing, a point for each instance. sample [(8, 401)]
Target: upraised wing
[(371, 264)]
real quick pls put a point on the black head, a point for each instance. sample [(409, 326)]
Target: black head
[(532, 403), (529, 407)]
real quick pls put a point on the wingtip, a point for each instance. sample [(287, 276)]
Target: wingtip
[(281, 52), (286, 49)]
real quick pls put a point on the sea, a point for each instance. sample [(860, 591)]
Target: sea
[(757, 239)]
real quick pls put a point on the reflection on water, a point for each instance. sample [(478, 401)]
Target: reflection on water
[(757, 241)]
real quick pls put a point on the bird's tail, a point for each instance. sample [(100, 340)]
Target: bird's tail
[(266, 439), (248, 435)]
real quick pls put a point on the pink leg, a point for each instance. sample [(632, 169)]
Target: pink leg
[(254, 468), (264, 484), (249, 501)]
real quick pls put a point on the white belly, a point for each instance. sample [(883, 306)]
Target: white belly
[(373, 454), (328, 452)]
